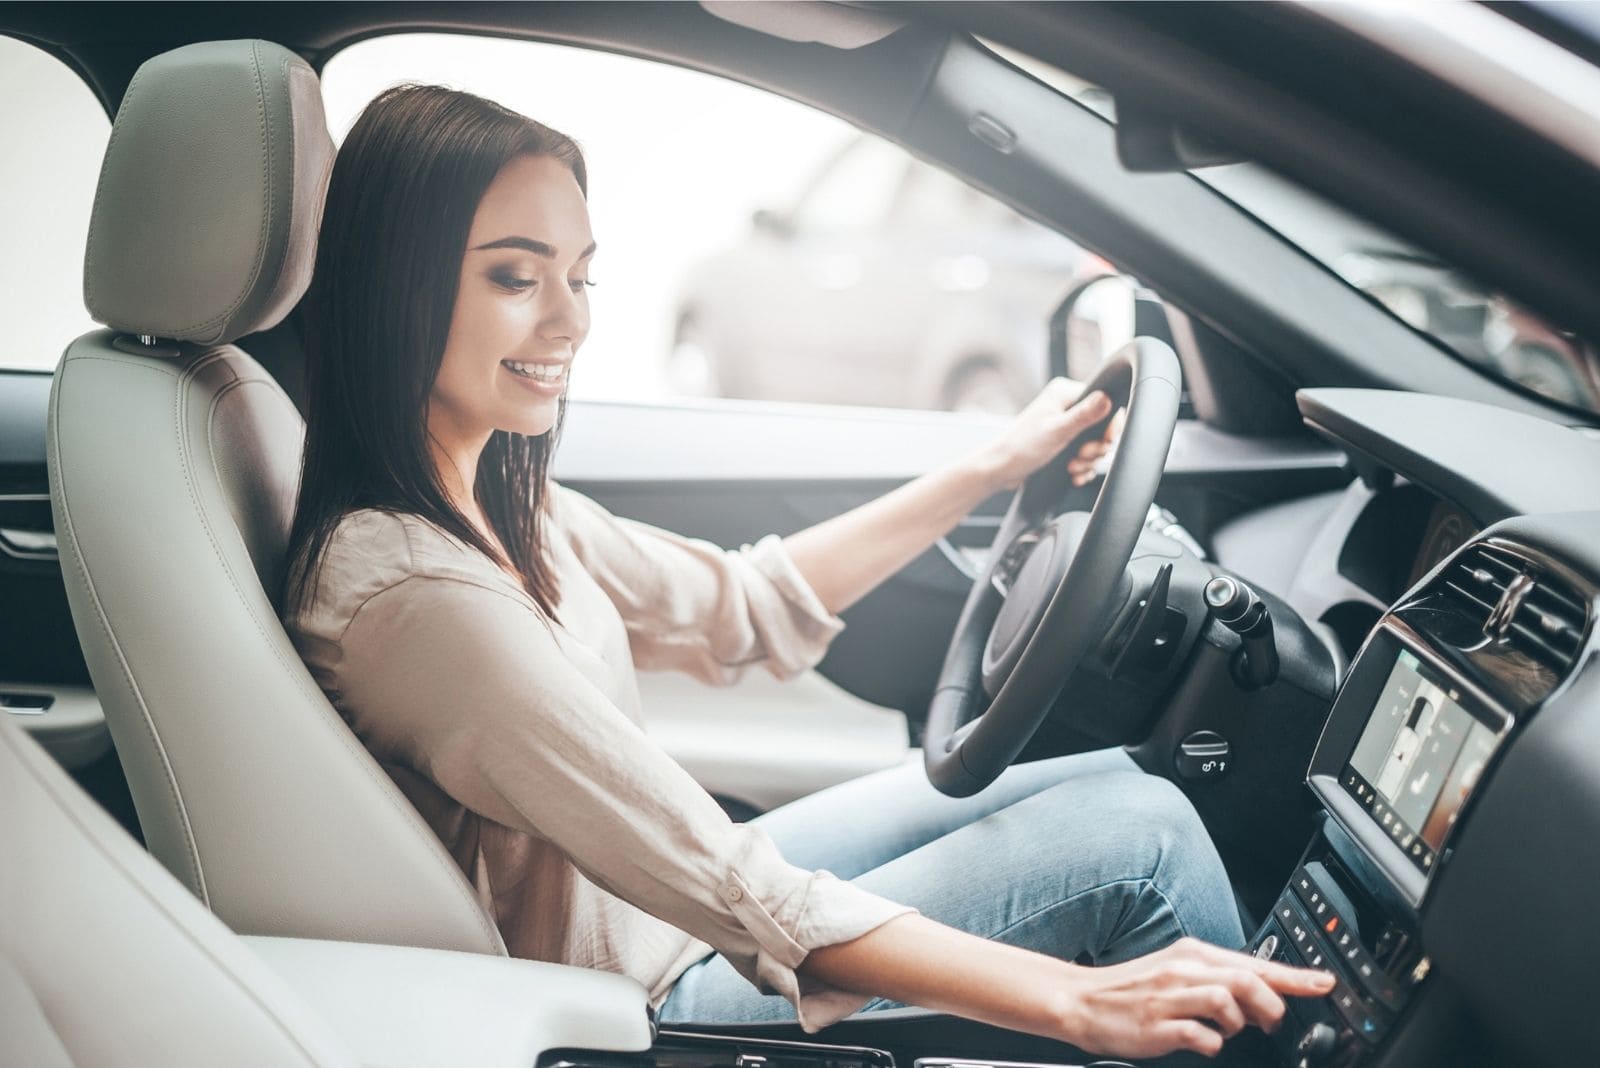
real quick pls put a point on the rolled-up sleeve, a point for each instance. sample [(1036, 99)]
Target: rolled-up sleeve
[(469, 686), (692, 606)]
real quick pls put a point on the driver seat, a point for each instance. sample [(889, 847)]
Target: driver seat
[(174, 461)]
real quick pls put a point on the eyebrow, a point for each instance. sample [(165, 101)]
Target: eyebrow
[(528, 244)]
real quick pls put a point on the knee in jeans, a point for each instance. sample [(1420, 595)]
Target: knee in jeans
[(1162, 824)]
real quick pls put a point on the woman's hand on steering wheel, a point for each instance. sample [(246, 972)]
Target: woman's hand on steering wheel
[(1047, 425)]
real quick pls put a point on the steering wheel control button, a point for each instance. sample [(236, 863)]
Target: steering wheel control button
[(1202, 756), (1223, 595)]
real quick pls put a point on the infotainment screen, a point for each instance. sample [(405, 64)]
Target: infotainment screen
[(1419, 756)]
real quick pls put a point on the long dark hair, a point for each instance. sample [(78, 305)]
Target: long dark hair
[(404, 190)]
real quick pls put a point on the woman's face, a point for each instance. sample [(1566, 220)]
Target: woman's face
[(522, 307)]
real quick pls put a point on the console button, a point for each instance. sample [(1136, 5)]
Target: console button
[(1364, 1019), (1268, 947)]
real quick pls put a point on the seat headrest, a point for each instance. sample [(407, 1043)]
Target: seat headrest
[(205, 220)]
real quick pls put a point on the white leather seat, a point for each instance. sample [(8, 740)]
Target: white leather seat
[(105, 960), (173, 466)]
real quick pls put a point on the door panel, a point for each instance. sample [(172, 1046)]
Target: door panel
[(732, 471)]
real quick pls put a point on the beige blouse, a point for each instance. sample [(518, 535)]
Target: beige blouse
[(520, 739)]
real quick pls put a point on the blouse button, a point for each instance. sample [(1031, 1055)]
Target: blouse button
[(733, 893)]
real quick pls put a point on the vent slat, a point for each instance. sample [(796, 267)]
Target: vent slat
[(1486, 606), (1558, 655), (1548, 624)]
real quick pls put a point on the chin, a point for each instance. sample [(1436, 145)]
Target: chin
[(532, 424)]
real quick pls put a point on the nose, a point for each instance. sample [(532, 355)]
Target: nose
[(566, 315)]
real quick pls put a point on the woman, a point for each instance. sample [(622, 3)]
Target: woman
[(478, 625)]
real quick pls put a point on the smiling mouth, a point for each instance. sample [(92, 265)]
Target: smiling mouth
[(547, 373)]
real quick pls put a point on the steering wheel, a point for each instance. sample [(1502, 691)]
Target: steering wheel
[(1045, 594)]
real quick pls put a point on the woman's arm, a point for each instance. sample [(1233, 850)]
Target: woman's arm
[(1190, 995), (843, 558)]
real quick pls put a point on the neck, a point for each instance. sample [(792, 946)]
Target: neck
[(455, 458)]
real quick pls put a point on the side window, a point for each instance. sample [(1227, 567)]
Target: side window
[(752, 247), (856, 192), (56, 132)]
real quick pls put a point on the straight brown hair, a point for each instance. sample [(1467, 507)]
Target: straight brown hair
[(404, 189)]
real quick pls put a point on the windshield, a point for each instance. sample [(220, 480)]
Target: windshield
[(1482, 327), (1485, 328)]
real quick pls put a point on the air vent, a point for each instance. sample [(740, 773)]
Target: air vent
[(1548, 624), (1546, 618), (1479, 578)]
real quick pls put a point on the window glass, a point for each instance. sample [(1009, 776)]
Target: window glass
[(56, 132), (750, 246), (857, 190), (1481, 326)]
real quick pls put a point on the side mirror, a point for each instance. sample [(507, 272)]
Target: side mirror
[(767, 221), (1100, 316), (1095, 319)]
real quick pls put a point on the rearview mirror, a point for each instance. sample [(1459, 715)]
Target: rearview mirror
[(1151, 142)]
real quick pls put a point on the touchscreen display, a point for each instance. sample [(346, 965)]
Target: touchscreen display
[(1419, 757)]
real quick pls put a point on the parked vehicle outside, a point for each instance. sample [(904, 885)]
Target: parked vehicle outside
[(888, 283)]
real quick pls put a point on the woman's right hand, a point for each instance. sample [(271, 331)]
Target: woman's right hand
[(1190, 996)]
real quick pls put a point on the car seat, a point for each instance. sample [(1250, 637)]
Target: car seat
[(105, 960), (174, 461)]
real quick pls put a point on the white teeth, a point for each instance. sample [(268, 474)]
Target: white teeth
[(539, 372)]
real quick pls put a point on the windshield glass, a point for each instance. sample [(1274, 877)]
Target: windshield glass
[(1479, 326), (1482, 327)]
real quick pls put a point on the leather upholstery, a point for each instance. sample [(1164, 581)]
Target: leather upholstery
[(105, 960), (173, 471), (206, 215)]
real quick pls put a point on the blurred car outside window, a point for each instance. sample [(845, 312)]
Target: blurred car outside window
[(753, 247), (57, 131)]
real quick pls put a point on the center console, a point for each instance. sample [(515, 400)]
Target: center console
[(1430, 702)]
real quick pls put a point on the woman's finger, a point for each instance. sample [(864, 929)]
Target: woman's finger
[(1087, 411), (1211, 1001), (1191, 1035), (1091, 451), (1261, 1004), (1187, 1034), (1283, 978)]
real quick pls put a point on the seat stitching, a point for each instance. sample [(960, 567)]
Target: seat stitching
[(197, 877), (342, 735)]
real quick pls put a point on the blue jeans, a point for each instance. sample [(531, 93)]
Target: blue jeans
[(1081, 857)]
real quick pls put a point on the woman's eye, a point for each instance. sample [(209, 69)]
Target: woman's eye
[(513, 283), (579, 284)]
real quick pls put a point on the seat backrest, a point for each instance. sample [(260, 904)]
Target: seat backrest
[(106, 960), (174, 461)]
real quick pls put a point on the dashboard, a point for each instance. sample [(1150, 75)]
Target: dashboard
[(1448, 885)]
